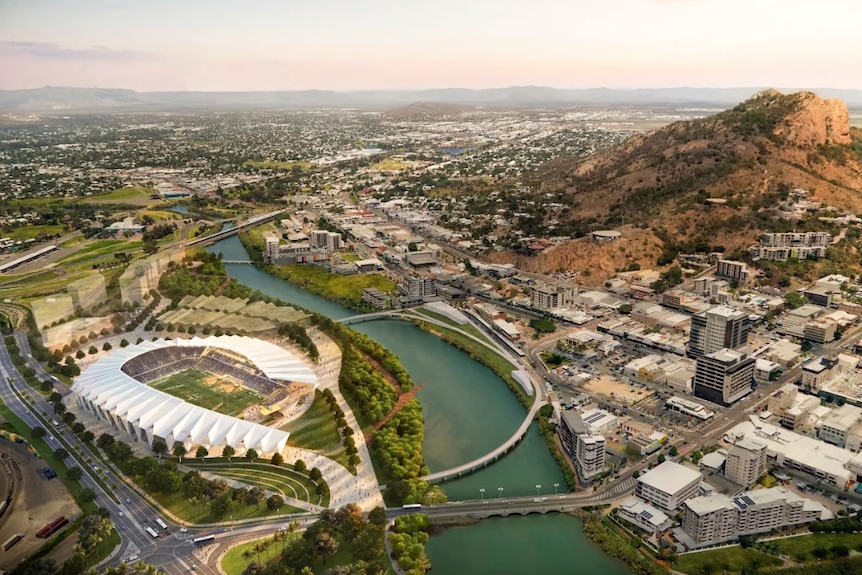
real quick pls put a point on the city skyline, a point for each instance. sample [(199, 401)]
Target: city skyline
[(337, 45)]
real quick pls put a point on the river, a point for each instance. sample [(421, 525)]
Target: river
[(468, 411)]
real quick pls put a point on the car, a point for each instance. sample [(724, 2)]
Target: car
[(183, 530), (133, 558), (121, 514), (95, 468), (122, 527), (128, 500)]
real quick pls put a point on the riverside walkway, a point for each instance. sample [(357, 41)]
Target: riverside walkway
[(514, 439)]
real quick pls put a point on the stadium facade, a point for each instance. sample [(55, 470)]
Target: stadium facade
[(114, 390)]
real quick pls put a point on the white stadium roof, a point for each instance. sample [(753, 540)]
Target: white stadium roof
[(159, 414)]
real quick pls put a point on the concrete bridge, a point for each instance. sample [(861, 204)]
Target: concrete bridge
[(249, 223), (503, 507), (512, 441), (236, 261)]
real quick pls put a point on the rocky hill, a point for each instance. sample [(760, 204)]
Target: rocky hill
[(714, 181)]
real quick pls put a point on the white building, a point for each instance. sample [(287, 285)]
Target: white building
[(746, 462), (716, 518), (644, 515), (599, 421), (668, 485)]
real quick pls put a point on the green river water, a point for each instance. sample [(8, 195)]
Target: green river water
[(468, 411)]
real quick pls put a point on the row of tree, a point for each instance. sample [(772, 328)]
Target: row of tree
[(408, 538)]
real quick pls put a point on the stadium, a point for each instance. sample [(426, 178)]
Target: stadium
[(212, 379)]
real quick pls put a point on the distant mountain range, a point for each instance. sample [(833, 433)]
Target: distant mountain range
[(57, 99)]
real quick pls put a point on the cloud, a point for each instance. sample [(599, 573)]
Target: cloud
[(57, 52)]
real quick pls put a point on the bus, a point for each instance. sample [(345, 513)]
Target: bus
[(153, 533), (161, 524), (412, 506), (12, 541), (201, 541)]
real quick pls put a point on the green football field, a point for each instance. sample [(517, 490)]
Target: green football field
[(208, 391)]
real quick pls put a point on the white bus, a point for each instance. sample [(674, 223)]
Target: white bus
[(201, 541), (161, 524), (153, 533)]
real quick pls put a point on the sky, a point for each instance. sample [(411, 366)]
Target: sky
[(156, 45)]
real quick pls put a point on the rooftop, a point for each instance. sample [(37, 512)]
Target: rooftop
[(670, 477)]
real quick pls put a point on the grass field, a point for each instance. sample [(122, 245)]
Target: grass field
[(198, 512), (192, 386), (390, 165), (31, 232), (800, 548), (350, 257), (726, 559), (467, 327), (278, 479), (100, 249), (134, 196), (316, 430)]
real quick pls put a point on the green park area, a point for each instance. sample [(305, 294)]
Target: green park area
[(812, 547), (133, 196), (278, 479), (346, 290), (466, 327), (208, 391), (262, 551), (31, 232), (724, 560), (350, 257), (316, 430)]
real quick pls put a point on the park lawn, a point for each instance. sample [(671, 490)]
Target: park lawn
[(104, 548), (278, 479), (101, 248), (467, 327), (346, 290), (729, 559), (286, 166), (136, 196), (30, 232), (233, 562), (800, 548), (160, 215), (316, 430), (179, 505), (350, 257), (190, 385)]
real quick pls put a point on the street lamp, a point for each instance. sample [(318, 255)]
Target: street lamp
[(537, 489), (482, 493), (556, 485), (500, 491)]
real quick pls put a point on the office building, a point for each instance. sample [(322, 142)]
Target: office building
[(326, 239), (836, 427), (668, 485), (723, 377), (746, 462), (551, 297), (717, 328), (732, 271), (716, 518)]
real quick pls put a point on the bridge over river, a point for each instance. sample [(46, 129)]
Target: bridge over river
[(514, 439), (249, 223)]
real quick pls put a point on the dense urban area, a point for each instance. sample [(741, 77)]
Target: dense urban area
[(701, 402)]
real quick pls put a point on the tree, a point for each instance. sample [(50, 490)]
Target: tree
[(325, 545), (107, 347), (105, 441), (251, 454), (93, 350), (88, 436), (299, 466), (74, 473), (794, 300), (80, 354), (124, 343), (159, 448), (201, 452), (38, 432), (661, 458), (377, 516), (636, 473), (88, 495), (274, 502), (179, 451), (277, 459), (78, 428), (61, 453), (412, 247), (673, 452), (315, 474), (228, 452)]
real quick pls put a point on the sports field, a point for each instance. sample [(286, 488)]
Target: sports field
[(221, 394)]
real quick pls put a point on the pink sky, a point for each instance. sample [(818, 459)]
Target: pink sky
[(389, 44)]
